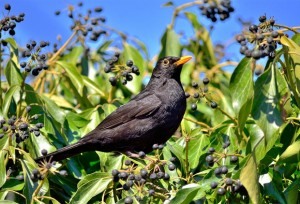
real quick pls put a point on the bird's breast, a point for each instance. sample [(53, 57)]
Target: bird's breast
[(174, 101)]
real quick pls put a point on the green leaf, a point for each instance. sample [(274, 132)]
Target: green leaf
[(204, 36), (77, 120), (13, 184), (8, 98), (291, 154), (291, 192), (256, 142), (109, 162), (265, 107), (30, 186), (177, 150), (73, 56), (103, 48), (13, 74), (168, 3), (292, 59), (91, 84), (170, 44), (8, 202), (186, 194), (53, 110), (2, 167), (196, 147), (73, 74), (132, 53), (271, 189), (90, 186), (13, 50), (241, 89), (249, 179)]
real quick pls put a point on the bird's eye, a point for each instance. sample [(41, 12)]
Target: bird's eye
[(166, 62)]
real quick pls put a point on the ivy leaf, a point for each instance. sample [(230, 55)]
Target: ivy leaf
[(241, 89), (53, 110), (13, 74), (73, 74), (8, 98), (186, 194), (249, 179), (90, 186), (132, 53), (170, 44), (291, 154), (265, 106)]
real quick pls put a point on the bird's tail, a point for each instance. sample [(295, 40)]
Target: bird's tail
[(63, 153)]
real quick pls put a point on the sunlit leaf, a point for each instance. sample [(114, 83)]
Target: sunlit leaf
[(12, 73), (197, 146), (241, 89), (73, 74), (9, 97), (249, 179), (131, 53), (73, 56), (186, 194), (91, 84), (291, 154), (54, 110), (265, 106), (90, 186), (170, 44)]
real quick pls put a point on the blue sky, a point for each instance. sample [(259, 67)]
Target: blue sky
[(145, 20)]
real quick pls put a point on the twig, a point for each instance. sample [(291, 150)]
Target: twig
[(180, 8), (198, 123)]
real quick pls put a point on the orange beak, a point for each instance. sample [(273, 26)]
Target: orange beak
[(182, 60)]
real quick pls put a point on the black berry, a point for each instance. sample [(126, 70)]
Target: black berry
[(213, 104), (171, 167), (221, 191), (233, 159), (194, 106), (213, 185), (205, 81)]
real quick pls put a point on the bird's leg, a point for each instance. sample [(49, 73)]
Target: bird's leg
[(132, 155)]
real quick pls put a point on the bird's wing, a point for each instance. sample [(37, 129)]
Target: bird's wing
[(138, 108)]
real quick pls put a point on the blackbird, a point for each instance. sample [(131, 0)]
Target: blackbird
[(151, 117)]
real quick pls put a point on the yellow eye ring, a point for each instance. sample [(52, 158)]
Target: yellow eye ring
[(166, 62)]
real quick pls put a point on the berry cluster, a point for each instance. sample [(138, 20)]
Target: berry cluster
[(212, 8), (86, 23), (20, 128), (9, 23), (42, 171), (36, 60), (144, 180), (123, 72), (221, 171), (263, 37), (200, 93)]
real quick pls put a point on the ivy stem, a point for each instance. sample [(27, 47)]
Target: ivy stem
[(37, 190), (229, 116), (293, 29), (186, 163), (198, 123), (289, 74), (62, 48), (215, 68), (180, 8), (115, 193)]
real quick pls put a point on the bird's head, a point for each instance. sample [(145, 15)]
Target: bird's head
[(170, 67)]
